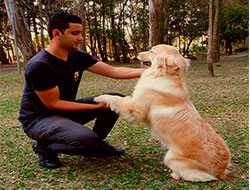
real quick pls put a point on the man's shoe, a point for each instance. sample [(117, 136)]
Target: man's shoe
[(105, 150), (109, 150), (46, 158), (49, 161)]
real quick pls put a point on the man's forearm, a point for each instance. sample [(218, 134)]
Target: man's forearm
[(127, 73), (116, 72), (74, 106)]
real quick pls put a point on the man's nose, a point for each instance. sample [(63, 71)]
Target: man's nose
[(80, 38)]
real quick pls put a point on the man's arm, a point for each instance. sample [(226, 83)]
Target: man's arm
[(51, 99), (115, 72)]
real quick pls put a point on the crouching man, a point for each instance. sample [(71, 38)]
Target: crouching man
[(50, 113)]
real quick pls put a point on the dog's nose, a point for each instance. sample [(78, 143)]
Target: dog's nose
[(147, 63)]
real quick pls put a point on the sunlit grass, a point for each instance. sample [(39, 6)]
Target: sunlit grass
[(222, 101)]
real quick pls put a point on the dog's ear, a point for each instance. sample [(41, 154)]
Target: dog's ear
[(144, 56), (168, 64)]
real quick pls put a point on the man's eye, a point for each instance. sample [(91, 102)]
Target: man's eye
[(75, 33)]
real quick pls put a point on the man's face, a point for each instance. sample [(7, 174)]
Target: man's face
[(72, 36)]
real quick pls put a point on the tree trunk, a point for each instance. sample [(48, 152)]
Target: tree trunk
[(114, 42), (3, 57), (41, 25), (125, 48), (216, 31), (11, 50), (83, 16), (145, 42), (228, 47), (80, 11), (165, 19), (186, 50), (42, 38), (92, 44), (158, 22), (154, 22), (23, 35), (104, 39), (213, 35), (9, 56), (97, 33), (89, 23), (38, 47)]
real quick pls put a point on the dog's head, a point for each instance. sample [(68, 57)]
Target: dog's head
[(166, 59)]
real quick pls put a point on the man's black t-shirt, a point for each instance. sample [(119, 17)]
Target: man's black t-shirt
[(44, 71)]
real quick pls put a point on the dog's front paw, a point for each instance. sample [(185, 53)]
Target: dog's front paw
[(103, 98), (109, 100), (175, 176)]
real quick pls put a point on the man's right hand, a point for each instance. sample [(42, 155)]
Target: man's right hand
[(103, 106)]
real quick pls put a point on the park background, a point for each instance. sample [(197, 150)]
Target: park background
[(213, 34)]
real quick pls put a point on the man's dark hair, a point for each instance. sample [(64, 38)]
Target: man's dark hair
[(61, 21)]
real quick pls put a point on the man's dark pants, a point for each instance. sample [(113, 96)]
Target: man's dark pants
[(65, 133)]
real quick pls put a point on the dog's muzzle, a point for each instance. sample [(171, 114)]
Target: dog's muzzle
[(147, 63)]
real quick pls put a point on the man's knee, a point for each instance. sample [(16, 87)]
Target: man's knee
[(84, 138)]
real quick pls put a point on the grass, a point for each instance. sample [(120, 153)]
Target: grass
[(222, 101)]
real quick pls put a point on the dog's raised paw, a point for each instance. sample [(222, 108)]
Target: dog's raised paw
[(102, 98)]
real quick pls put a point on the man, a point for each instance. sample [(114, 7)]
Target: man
[(49, 112)]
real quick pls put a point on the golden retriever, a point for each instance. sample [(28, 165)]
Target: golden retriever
[(160, 98)]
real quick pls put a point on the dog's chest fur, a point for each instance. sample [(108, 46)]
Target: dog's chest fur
[(150, 82)]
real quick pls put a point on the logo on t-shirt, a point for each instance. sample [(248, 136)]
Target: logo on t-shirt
[(76, 75)]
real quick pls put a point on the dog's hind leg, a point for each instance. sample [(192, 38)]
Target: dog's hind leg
[(186, 169)]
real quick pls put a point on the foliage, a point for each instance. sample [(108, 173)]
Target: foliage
[(139, 25), (234, 21), (120, 29), (198, 48), (189, 18)]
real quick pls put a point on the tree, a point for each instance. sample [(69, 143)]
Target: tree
[(180, 20), (117, 30), (4, 46), (23, 34), (3, 57), (137, 27), (155, 22), (234, 24), (188, 21), (80, 10), (213, 47)]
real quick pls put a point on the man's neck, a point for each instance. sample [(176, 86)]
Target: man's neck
[(58, 51)]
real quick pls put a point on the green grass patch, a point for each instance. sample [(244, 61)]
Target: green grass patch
[(222, 101)]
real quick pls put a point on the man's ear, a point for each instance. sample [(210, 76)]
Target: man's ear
[(56, 33)]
